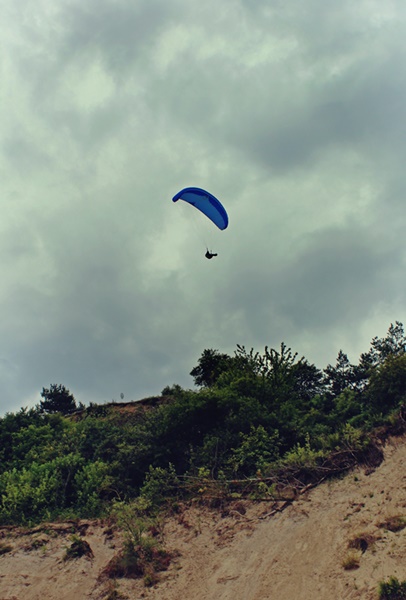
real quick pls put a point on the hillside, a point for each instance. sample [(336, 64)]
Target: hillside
[(249, 552)]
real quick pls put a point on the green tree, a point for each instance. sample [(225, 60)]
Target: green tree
[(308, 380), (340, 376), (58, 399), (10, 425), (393, 344), (209, 367), (387, 385), (273, 370), (39, 442)]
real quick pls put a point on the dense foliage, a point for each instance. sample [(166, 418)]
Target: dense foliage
[(392, 589), (251, 413)]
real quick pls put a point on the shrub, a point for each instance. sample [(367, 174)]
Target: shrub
[(92, 479), (28, 495), (136, 561), (302, 456), (78, 548), (258, 448), (159, 483), (132, 518), (392, 589), (142, 554)]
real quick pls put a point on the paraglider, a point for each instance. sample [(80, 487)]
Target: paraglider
[(207, 204)]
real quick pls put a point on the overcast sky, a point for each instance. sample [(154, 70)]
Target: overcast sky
[(291, 112)]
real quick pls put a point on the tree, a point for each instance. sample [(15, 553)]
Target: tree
[(393, 344), (387, 384), (341, 376), (210, 366), (58, 399), (308, 380), (277, 372)]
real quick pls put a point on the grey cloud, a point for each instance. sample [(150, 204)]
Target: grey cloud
[(121, 32), (279, 119), (336, 279), (23, 154), (292, 114)]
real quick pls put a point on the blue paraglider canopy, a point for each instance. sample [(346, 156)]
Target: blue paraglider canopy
[(206, 203)]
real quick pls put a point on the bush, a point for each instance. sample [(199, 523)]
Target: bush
[(133, 519), (136, 561), (392, 589), (90, 481), (142, 554), (78, 548), (29, 494), (159, 483), (302, 456), (258, 448)]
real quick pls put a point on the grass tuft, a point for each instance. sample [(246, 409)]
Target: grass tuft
[(395, 523), (351, 560)]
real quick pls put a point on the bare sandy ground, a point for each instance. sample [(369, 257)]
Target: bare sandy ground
[(297, 554)]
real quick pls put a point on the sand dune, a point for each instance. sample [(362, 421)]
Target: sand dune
[(296, 554)]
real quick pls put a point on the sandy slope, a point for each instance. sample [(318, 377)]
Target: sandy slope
[(294, 555)]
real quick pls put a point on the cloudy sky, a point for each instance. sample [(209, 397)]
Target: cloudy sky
[(292, 112)]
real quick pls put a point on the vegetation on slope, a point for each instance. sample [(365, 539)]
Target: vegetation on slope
[(255, 420)]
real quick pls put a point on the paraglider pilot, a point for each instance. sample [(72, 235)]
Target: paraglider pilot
[(207, 204)]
